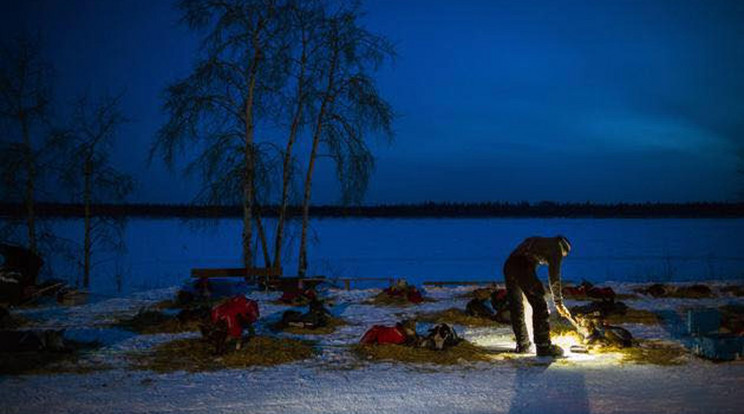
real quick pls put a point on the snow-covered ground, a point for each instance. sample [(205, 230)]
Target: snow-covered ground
[(337, 381), (388, 388)]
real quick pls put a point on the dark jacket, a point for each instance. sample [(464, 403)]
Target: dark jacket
[(545, 251)]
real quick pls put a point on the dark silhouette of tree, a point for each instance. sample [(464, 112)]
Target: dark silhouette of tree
[(218, 106), (305, 20), (348, 107), (25, 93), (89, 175), (268, 66)]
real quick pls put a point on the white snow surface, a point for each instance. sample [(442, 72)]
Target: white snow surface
[(336, 381)]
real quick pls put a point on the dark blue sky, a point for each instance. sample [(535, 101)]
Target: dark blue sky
[(499, 100)]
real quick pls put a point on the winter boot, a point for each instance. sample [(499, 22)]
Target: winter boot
[(549, 351), (523, 348)]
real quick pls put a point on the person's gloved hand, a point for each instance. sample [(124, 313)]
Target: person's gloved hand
[(581, 326), (564, 312)]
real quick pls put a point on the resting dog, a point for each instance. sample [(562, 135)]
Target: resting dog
[(440, 337), (478, 309), (402, 289), (603, 334), (403, 333), (603, 308), (227, 321), (317, 316), (500, 304), (589, 290), (298, 296)]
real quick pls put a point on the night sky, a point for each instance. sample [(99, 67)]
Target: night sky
[(600, 101)]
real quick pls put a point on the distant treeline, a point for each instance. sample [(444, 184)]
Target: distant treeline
[(523, 209)]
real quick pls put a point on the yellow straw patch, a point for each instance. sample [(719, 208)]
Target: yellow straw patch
[(195, 354), (460, 353)]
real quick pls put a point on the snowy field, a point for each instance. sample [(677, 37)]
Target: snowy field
[(162, 251), (338, 381)]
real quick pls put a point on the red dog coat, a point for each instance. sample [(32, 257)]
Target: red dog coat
[(229, 312), (380, 334)]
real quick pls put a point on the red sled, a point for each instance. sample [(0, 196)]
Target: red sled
[(411, 294)]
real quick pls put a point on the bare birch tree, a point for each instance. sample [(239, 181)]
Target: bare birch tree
[(25, 93), (91, 177), (217, 108), (282, 65), (305, 22), (349, 107)]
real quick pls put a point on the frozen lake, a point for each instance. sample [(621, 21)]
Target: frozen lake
[(161, 251)]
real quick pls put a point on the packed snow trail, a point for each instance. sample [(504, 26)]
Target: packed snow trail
[(388, 388)]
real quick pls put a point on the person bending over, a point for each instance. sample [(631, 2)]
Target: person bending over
[(520, 274)]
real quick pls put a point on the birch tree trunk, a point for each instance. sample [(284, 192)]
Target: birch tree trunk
[(279, 237), (327, 97), (87, 243), (30, 185), (248, 185), (261, 233)]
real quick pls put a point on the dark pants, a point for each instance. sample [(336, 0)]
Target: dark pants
[(521, 277)]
